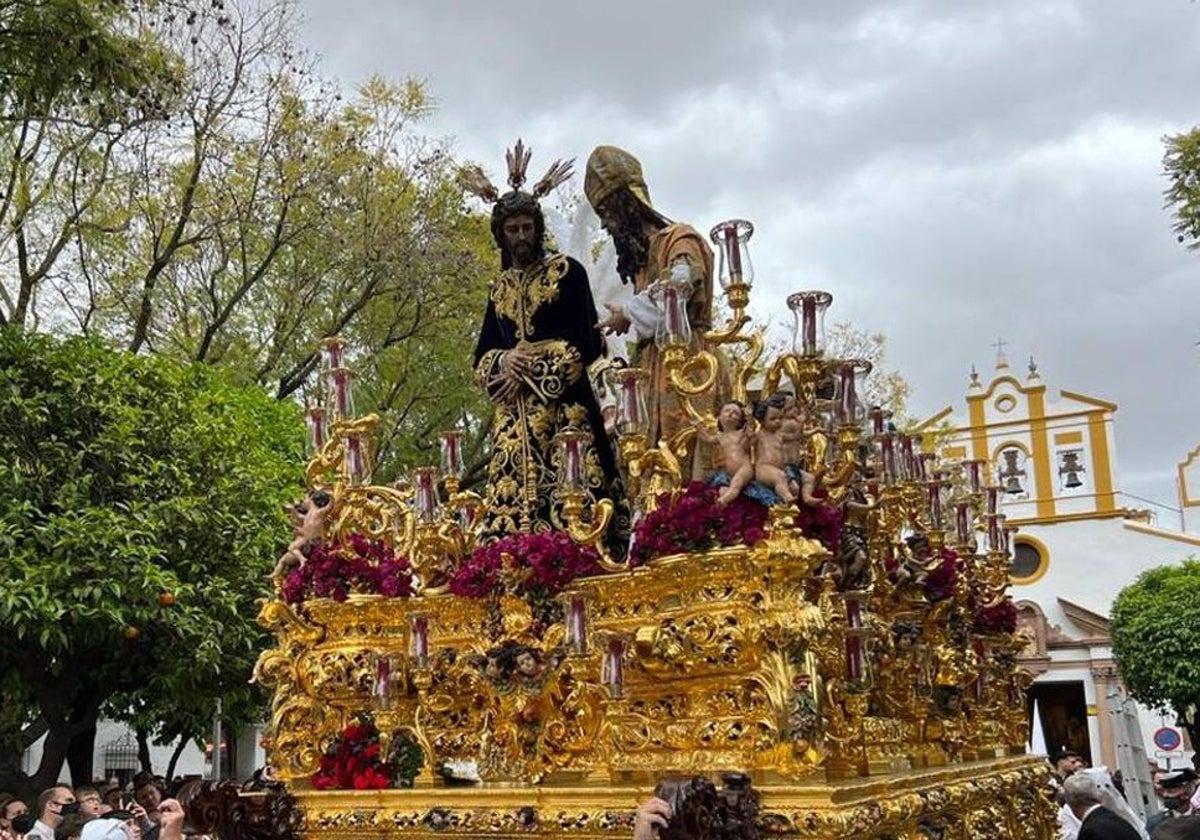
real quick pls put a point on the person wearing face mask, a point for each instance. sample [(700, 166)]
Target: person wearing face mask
[(1178, 786), (53, 805), (11, 808)]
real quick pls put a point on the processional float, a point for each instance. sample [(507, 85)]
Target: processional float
[(424, 685)]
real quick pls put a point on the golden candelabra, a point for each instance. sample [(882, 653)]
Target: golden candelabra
[(867, 685)]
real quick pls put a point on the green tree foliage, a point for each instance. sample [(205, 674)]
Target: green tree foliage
[(256, 212), (142, 507), (1156, 632), (190, 187), (87, 60), (1182, 165)]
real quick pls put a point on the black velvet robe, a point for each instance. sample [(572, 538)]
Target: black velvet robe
[(549, 309)]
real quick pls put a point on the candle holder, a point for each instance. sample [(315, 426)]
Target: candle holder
[(974, 469), (629, 385), (358, 466), (572, 446), (962, 525), (736, 274), (851, 381), (332, 348), (318, 429), (340, 387), (425, 496), (389, 680), (575, 610), (808, 309), (735, 271), (418, 639), (673, 330), (452, 459), (612, 667)]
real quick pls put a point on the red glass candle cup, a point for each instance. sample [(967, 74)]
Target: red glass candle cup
[(418, 647), (425, 496), (613, 675), (452, 455), (331, 350), (629, 384), (673, 329), (731, 238), (577, 624), (808, 309), (317, 431), (851, 379), (358, 471), (571, 448)]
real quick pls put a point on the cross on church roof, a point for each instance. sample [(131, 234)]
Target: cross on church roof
[(1001, 360)]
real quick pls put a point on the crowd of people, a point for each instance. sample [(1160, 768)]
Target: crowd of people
[(103, 811), (1093, 803)]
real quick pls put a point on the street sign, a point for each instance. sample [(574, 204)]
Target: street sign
[(1167, 738)]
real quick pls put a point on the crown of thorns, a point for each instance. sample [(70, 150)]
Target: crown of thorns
[(472, 179)]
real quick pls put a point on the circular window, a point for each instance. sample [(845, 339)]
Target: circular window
[(1029, 562), (1005, 403)]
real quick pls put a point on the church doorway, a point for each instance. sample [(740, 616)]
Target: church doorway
[(1063, 712)]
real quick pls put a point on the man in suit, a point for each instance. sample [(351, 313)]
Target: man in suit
[(1098, 823)]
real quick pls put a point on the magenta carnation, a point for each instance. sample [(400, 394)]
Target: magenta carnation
[(336, 569)]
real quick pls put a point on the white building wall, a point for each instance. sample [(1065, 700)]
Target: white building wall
[(191, 760)]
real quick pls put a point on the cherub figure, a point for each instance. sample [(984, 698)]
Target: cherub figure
[(308, 526), (852, 571), (735, 437), (792, 427), (771, 442), (529, 665)]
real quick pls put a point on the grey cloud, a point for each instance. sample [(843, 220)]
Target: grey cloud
[(951, 171)]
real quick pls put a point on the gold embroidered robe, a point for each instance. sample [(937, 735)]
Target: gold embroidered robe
[(548, 309)]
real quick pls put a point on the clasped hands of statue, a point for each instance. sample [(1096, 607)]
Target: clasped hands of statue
[(514, 364)]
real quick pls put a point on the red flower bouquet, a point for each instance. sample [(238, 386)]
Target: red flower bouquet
[(1000, 617), (942, 581), (354, 761), (337, 568), (695, 522)]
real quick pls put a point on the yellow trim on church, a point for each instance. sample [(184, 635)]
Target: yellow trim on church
[(1083, 398), (1186, 500), (1041, 451), (1102, 477), (1060, 518), (979, 447)]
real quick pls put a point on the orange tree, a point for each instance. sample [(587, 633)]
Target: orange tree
[(1156, 632), (142, 506)]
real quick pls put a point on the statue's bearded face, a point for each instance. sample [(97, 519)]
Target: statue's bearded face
[(520, 239), (622, 217)]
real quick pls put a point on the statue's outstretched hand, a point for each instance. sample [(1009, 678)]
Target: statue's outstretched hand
[(617, 321)]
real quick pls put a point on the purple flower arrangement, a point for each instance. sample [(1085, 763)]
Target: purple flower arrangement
[(358, 565), (524, 564), (695, 522)]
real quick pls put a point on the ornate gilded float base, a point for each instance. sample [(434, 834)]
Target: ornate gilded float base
[(990, 800)]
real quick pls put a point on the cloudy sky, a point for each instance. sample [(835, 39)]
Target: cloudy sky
[(952, 172)]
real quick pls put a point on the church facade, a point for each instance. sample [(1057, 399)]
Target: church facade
[(1079, 542)]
